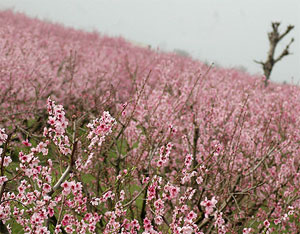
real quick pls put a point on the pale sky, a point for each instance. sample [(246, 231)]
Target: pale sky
[(230, 33)]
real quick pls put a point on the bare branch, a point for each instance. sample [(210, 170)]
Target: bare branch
[(285, 52), (3, 228), (66, 173), (136, 196), (259, 62), (288, 29)]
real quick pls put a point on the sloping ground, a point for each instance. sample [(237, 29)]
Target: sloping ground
[(247, 136), (59, 61)]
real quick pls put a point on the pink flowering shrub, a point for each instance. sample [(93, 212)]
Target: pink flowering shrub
[(139, 141)]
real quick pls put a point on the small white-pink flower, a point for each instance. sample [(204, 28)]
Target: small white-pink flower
[(3, 136), (199, 180), (266, 223), (187, 230), (66, 188), (247, 230), (209, 205), (3, 179), (7, 160)]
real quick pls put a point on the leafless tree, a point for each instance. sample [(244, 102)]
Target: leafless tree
[(274, 38)]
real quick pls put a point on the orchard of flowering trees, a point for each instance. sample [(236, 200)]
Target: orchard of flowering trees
[(100, 136)]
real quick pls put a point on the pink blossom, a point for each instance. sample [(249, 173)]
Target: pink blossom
[(3, 136), (266, 223), (26, 143), (3, 179), (199, 180), (7, 160), (209, 205), (187, 230)]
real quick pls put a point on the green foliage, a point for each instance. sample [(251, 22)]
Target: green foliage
[(88, 178)]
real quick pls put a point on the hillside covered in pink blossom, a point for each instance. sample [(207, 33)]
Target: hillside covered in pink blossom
[(217, 132)]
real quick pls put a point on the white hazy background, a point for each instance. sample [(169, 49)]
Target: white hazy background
[(230, 33)]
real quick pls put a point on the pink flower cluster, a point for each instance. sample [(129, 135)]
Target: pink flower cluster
[(164, 155), (100, 128), (58, 125)]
